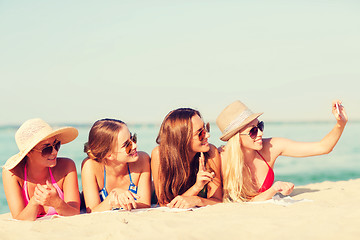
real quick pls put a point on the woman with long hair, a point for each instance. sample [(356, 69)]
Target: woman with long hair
[(37, 182), (114, 175), (185, 167), (248, 159)]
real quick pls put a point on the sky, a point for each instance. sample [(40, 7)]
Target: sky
[(80, 61)]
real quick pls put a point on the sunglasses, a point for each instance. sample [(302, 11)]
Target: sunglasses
[(129, 145), (254, 131), (46, 151), (203, 132)]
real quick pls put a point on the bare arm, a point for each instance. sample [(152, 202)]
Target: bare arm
[(190, 198), (71, 203), (291, 148), (16, 203), (91, 189), (155, 168), (144, 184)]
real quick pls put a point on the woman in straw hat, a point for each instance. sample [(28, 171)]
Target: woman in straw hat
[(185, 167), (248, 159), (37, 183), (114, 175)]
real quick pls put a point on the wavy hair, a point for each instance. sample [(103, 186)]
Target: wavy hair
[(102, 138), (177, 171), (235, 187)]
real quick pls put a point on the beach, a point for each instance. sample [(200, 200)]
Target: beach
[(327, 210)]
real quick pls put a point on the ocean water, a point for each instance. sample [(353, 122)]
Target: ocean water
[(343, 163)]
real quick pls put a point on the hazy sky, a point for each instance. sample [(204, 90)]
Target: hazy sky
[(79, 61)]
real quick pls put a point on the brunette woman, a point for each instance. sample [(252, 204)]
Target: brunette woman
[(185, 167)]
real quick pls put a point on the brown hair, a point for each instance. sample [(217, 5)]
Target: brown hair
[(177, 171), (102, 138)]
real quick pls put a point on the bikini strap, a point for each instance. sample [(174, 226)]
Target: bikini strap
[(132, 186), (104, 178), (263, 159), (52, 177), (131, 182), (25, 174)]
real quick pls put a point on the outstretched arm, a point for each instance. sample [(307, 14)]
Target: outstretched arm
[(291, 148)]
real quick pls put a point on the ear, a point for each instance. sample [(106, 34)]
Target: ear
[(110, 156)]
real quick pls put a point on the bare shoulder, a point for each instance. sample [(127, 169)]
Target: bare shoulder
[(213, 152), (89, 164), (64, 166), (142, 164)]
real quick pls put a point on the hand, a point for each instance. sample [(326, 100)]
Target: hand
[(46, 195), (203, 176), (285, 188), (184, 202), (123, 199), (340, 116)]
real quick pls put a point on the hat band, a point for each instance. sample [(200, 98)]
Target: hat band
[(237, 121)]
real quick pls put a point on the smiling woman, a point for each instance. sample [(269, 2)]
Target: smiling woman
[(185, 167), (114, 175), (36, 182)]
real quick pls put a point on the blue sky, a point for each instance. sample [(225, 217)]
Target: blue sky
[(79, 61)]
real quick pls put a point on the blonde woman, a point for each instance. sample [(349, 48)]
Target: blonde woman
[(114, 175), (37, 183), (185, 167), (248, 159)]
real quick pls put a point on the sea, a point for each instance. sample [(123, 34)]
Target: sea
[(343, 163)]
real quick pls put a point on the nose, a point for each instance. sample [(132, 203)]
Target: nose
[(207, 135)]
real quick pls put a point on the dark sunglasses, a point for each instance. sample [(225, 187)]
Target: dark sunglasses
[(46, 151), (254, 131), (203, 132), (129, 145)]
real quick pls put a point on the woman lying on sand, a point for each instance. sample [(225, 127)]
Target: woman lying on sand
[(185, 167), (115, 175), (36, 182), (248, 159)]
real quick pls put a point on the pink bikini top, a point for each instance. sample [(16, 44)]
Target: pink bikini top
[(269, 179), (51, 210)]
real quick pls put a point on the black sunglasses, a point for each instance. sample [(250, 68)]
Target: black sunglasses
[(254, 131), (203, 132), (46, 151), (129, 145)]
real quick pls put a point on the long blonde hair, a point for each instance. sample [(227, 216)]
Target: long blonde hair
[(237, 183)]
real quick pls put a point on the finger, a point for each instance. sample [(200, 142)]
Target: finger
[(202, 162), (49, 185), (172, 203), (40, 188)]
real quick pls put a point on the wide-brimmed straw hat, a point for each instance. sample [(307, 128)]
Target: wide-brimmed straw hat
[(233, 118), (34, 131)]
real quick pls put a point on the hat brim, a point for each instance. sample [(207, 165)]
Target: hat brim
[(64, 135), (225, 137)]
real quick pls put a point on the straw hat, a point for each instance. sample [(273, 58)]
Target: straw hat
[(233, 118), (34, 131)]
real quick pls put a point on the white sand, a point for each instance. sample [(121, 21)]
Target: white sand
[(333, 213)]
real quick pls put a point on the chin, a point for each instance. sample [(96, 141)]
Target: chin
[(134, 157)]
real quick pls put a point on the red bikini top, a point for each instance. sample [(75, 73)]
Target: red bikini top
[(270, 177)]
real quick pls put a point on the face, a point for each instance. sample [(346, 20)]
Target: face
[(200, 138), (45, 152), (125, 150), (248, 136)]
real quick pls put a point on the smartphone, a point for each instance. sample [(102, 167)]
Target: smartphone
[(337, 108)]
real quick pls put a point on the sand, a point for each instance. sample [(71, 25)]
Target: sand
[(328, 210)]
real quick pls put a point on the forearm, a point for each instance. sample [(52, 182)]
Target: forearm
[(67, 209), (331, 139), (29, 213), (193, 191), (268, 194)]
